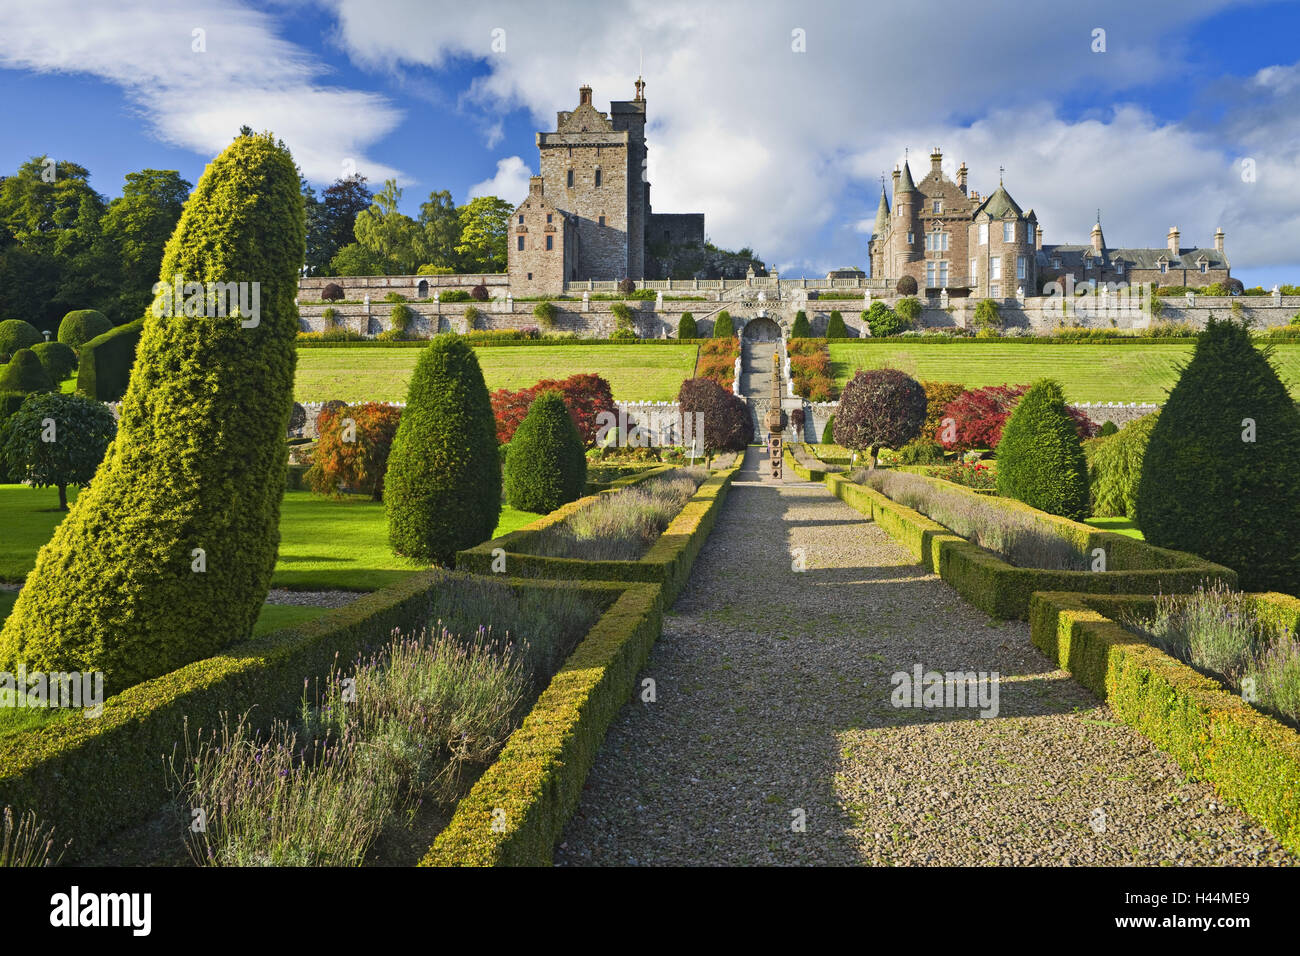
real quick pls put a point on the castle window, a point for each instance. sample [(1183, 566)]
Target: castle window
[(602, 220), (1008, 232), (995, 291), (530, 277), (570, 179), (911, 238), (995, 268), (1164, 267), (1205, 267), (597, 178), (974, 269), (521, 243), (943, 274), (550, 243), (984, 234), (521, 219), (1056, 263), (1020, 267), (938, 206), (1119, 266), (929, 274), (548, 218)]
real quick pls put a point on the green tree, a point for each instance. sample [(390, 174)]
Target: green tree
[(686, 327), (1040, 460), (723, 327), (354, 259), (387, 234), (835, 327), (800, 329), (547, 466), (439, 232), (884, 321), (442, 492), (81, 325), (134, 230), (988, 315), (484, 228), (56, 440), (1218, 475), (24, 373), (167, 556), (331, 223)]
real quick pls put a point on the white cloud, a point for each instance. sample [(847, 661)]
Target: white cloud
[(198, 100), (782, 150), (510, 182)]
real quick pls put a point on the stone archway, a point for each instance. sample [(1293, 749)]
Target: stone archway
[(761, 329)]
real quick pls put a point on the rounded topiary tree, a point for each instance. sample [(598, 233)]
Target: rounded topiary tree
[(82, 325), (1115, 467), (1040, 460), (906, 286), (1218, 477), (835, 328), (800, 327), (25, 373), (479, 293), (547, 465), (1108, 428), (167, 556), (56, 440), (57, 359), (333, 292), (723, 327), (442, 491), (16, 334), (686, 328), (724, 422), (884, 321), (880, 408)]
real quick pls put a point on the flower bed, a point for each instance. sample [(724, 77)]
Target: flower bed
[(1002, 589), (1252, 760)]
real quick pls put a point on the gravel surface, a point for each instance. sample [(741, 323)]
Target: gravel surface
[(773, 706), (312, 598)]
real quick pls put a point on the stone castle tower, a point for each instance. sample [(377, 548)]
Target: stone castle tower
[(593, 178)]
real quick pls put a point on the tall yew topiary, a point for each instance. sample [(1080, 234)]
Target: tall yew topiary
[(547, 466), (686, 327), (1219, 473), (799, 328), (1040, 460), (835, 327), (167, 556), (442, 491), (723, 326)]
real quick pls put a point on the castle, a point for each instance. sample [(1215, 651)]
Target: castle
[(588, 215), (948, 237)]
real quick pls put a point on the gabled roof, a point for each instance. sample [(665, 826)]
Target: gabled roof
[(1072, 257)]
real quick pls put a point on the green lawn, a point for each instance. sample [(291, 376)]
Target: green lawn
[(1118, 525), (324, 543), (1089, 373), (647, 373)]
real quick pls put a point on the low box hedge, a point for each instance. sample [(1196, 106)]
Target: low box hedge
[(516, 811), (1003, 590), (1251, 759), (88, 776), (667, 562), (806, 473)]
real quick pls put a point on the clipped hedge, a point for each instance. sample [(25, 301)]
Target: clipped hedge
[(1003, 590), (1040, 460), (91, 776), (1252, 760), (25, 373), (57, 359), (81, 325), (16, 334), (105, 362), (547, 466), (537, 779)]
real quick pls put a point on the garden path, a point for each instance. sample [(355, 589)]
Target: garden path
[(773, 707)]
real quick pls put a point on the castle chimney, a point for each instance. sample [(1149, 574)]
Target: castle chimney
[(535, 185), (1173, 240), (1038, 237), (640, 90), (584, 95), (1218, 240), (936, 161), (961, 177), (1096, 239)]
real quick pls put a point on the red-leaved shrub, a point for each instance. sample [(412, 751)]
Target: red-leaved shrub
[(359, 464), (586, 395)]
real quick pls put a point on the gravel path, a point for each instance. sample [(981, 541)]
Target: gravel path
[(773, 706), (330, 599)]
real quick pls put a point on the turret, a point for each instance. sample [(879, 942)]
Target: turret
[(1098, 240)]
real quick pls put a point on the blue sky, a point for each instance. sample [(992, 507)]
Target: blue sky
[(782, 149)]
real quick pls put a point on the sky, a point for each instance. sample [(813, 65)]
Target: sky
[(775, 119)]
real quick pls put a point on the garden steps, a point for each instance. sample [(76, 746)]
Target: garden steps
[(772, 696)]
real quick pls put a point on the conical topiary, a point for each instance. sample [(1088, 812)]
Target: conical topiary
[(799, 328), (835, 327), (167, 556), (25, 373), (686, 327), (723, 326), (546, 466), (1040, 460), (1219, 473), (442, 491)]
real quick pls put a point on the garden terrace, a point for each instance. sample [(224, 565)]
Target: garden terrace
[(1002, 589), (1252, 759)]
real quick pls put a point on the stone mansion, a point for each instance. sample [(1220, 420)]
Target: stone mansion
[(946, 236), (588, 215)]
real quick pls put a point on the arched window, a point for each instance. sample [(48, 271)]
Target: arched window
[(422, 290)]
